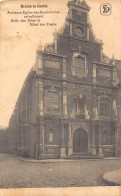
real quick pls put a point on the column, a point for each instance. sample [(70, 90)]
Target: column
[(71, 29), (64, 104), (114, 76), (101, 50), (40, 97), (56, 43), (88, 32), (114, 109), (37, 141), (64, 68), (41, 141), (63, 147), (94, 73), (93, 146), (64, 99), (100, 152), (117, 146), (38, 67), (70, 147)]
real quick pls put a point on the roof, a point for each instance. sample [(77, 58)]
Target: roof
[(79, 3)]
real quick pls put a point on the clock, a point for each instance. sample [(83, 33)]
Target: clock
[(79, 32)]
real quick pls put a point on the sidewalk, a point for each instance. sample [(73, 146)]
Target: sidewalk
[(44, 160), (112, 178), (56, 160)]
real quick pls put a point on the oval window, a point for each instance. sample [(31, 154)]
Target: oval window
[(79, 32)]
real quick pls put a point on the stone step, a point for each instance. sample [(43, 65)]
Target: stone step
[(84, 156)]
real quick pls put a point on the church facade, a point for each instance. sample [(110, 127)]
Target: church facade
[(70, 102)]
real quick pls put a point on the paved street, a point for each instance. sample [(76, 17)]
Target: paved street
[(17, 173)]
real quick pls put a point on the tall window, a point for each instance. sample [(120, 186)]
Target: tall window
[(105, 107), (80, 106), (108, 137), (79, 66), (52, 103), (51, 137)]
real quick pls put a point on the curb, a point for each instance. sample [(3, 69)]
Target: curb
[(41, 161)]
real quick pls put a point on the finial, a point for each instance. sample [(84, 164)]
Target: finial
[(78, 2), (83, 3), (113, 56), (39, 47)]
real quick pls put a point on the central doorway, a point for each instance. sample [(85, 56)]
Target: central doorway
[(80, 141)]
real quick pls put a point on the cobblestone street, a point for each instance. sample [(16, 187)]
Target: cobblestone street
[(15, 173)]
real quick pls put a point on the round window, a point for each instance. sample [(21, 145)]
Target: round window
[(79, 32)]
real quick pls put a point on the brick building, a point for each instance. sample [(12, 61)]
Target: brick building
[(70, 102), (3, 140)]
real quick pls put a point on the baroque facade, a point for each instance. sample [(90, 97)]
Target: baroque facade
[(70, 102)]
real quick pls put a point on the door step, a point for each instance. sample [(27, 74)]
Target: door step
[(84, 156)]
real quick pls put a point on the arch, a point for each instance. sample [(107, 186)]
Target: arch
[(80, 141)]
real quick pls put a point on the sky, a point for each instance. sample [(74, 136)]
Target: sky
[(19, 41)]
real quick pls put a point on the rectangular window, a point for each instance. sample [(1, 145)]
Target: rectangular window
[(52, 103), (108, 137), (105, 107), (79, 67)]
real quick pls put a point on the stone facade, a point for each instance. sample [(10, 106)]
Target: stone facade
[(70, 101), (3, 141)]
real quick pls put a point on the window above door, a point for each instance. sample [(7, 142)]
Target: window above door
[(79, 66)]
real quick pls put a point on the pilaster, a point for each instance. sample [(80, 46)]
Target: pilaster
[(114, 75), (39, 64), (63, 147), (94, 73), (64, 98), (40, 97), (93, 147), (117, 147), (41, 140), (64, 68), (70, 147), (100, 151)]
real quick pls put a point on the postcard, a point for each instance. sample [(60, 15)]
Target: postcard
[(60, 97)]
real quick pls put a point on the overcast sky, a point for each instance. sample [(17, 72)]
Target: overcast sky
[(19, 42)]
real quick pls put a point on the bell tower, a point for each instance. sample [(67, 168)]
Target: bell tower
[(78, 19)]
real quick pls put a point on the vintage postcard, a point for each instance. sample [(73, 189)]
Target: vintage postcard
[(60, 97)]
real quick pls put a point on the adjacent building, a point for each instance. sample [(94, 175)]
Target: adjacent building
[(70, 103), (3, 140)]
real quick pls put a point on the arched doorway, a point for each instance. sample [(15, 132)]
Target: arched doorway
[(80, 141)]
